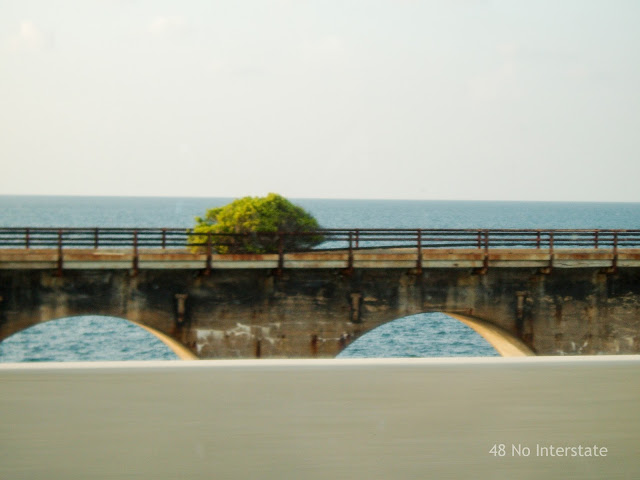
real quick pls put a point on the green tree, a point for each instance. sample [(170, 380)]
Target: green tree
[(259, 219)]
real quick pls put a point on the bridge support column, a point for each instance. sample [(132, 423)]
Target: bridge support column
[(524, 328), (356, 302), (181, 299)]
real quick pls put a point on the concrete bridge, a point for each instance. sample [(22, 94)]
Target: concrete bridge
[(526, 291)]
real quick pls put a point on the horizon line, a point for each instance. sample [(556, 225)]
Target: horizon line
[(316, 198)]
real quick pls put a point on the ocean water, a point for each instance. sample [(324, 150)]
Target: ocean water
[(86, 338), (424, 335)]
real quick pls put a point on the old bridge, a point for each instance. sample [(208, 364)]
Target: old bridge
[(548, 292)]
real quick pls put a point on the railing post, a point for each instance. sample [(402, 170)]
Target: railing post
[(547, 270), (135, 253), (485, 263), (350, 261), (595, 238), (95, 238), (164, 238), (614, 264), (483, 240), (26, 239), (208, 269), (60, 264), (538, 239), (551, 249), (419, 259), (280, 252)]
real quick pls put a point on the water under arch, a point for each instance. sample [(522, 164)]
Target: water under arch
[(84, 338), (432, 334)]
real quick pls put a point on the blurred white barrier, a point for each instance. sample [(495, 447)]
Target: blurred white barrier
[(323, 419)]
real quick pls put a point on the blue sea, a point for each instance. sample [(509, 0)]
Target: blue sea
[(425, 335)]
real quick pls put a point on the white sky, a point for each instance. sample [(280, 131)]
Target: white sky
[(450, 99)]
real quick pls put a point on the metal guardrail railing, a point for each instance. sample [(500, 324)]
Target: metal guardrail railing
[(332, 239), (185, 240)]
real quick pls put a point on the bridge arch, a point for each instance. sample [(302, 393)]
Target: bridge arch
[(178, 349), (503, 342)]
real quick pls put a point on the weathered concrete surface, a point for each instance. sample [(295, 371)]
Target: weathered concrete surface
[(311, 312)]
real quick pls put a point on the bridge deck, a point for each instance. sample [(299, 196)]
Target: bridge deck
[(378, 258)]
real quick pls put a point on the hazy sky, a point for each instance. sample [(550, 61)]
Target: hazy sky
[(450, 99)]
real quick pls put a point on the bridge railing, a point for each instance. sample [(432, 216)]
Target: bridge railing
[(332, 239)]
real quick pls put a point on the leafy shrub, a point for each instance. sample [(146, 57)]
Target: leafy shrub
[(259, 219)]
